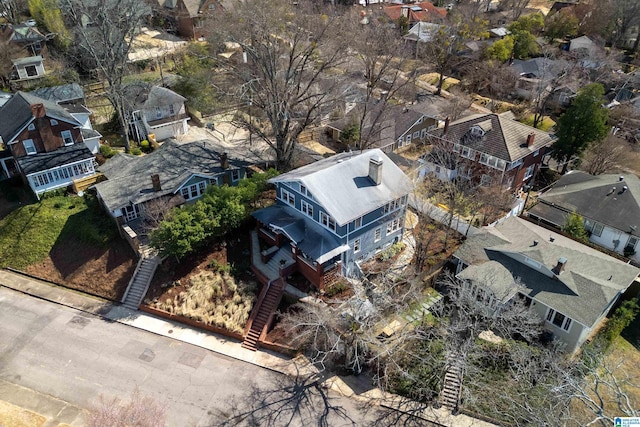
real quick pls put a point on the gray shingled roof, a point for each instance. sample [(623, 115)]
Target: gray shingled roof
[(129, 177), (16, 112), (61, 156), (590, 281), (506, 139), (340, 184), (592, 198), (62, 93), (145, 96)]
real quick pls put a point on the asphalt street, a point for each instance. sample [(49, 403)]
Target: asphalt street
[(59, 361)]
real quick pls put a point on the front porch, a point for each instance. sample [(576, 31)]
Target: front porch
[(291, 244)]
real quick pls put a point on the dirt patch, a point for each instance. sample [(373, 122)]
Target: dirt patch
[(14, 416), (100, 271)]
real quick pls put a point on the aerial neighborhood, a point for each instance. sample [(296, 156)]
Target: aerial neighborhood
[(431, 209)]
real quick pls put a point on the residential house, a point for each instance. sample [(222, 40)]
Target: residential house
[(155, 110), (570, 286), (45, 142), (583, 45), (422, 32), (71, 98), (334, 214), (189, 16), (173, 174), (486, 147), (387, 127), (26, 45), (609, 204), (535, 76), (416, 12)]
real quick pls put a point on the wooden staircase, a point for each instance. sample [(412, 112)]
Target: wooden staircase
[(452, 389), (140, 281), (262, 314)]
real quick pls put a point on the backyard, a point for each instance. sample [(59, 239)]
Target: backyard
[(68, 240)]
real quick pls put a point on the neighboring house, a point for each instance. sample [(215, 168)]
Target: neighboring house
[(560, 98), (46, 143), (71, 98), (422, 31), (536, 75), (486, 147), (155, 110), (416, 12), (25, 36), (391, 129), (570, 286), (583, 45), (28, 68), (174, 174), (28, 46), (189, 17), (336, 213), (609, 204)]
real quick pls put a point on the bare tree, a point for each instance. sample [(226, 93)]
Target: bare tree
[(603, 156), (139, 410), (12, 10), (283, 78), (516, 6), (105, 30), (8, 52)]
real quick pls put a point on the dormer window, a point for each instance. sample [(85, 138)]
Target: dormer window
[(53, 122), (67, 137), (31, 127), (476, 131)]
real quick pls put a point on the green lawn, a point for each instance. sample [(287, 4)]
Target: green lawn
[(28, 233), (546, 125)]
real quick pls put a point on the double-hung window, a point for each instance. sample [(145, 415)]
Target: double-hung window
[(67, 137), (377, 235), (559, 319), (528, 173), (306, 208), (288, 197), (29, 146), (356, 246), (235, 175), (327, 221), (358, 223)]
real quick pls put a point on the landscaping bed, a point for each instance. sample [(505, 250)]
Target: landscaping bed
[(212, 287)]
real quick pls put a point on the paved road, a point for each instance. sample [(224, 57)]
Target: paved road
[(59, 360)]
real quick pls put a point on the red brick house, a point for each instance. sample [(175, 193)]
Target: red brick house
[(189, 16), (416, 12), (485, 148)]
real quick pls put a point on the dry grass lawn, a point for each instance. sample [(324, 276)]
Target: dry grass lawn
[(15, 416)]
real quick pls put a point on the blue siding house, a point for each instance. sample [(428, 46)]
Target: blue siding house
[(336, 213)]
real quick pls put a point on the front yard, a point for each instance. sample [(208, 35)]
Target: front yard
[(68, 240)]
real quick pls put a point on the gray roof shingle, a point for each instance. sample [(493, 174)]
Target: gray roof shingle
[(592, 197), (589, 282), (340, 184), (129, 177), (505, 138), (61, 156)]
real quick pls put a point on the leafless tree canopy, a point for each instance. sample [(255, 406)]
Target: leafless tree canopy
[(139, 410), (104, 31), (603, 156), (12, 10), (284, 79)]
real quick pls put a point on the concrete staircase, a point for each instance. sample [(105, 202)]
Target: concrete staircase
[(452, 389), (263, 312), (140, 281)]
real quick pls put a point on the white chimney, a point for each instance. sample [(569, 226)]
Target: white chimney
[(375, 170)]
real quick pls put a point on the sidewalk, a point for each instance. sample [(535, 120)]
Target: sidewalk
[(210, 341)]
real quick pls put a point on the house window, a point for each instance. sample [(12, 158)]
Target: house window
[(158, 112), (356, 246), (416, 134), (29, 146), (437, 169), (420, 120), (199, 23), (528, 173), (288, 197), (31, 127), (327, 221), (558, 319), (400, 141), (457, 148), (515, 164), (172, 109), (53, 122), (31, 70), (408, 140), (358, 222), (306, 208), (423, 134), (468, 153), (193, 191), (633, 241), (130, 212), (212, 6), (201, 186), (535, 153), (377, 235), (391, 206), (596, 229), (67, 137), (235, 175), (394, 226)]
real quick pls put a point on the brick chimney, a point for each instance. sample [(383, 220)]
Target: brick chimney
[(155, 181), (559, 268), (375, 170), (530, 139), (446, 125), (37, 110), (224, 161)]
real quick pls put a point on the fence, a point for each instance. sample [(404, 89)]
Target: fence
[(82, 184)]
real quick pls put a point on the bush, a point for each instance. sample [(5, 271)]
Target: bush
[(106, 151), (144, 146), (219, 267), (391, 252), (136, 151), (336, 289), (622, 317)]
